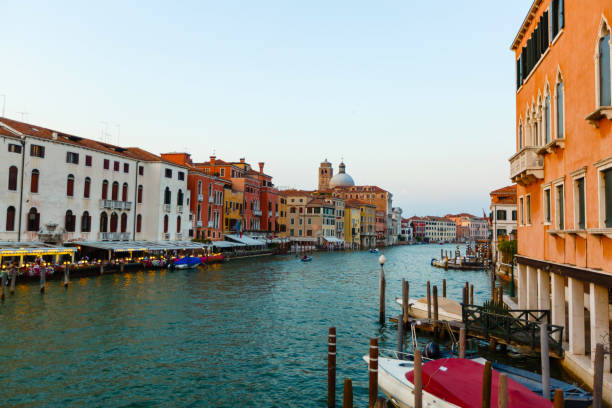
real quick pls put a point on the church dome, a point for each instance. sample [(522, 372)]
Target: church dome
[(341, 179)]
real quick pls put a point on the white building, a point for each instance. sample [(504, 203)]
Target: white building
[(396, 225), (406, 230), (63, 187), (503, 215), (479, 228), (439, 229)]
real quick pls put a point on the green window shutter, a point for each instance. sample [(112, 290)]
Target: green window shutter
[(608, 196)]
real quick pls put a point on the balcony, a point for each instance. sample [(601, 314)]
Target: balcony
[(166, 236), (115, 236), (179, 236), (199, 224), (257, 213), (179, 209), (210, 224), (210, 199), (116, 204), (200, 197), (604, 112), (269, 214), (526, 166), (167, 208)]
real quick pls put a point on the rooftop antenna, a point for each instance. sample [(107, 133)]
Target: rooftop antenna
[(104, 131), (23, 115)]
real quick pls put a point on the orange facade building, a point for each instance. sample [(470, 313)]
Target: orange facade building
[(563, 168)]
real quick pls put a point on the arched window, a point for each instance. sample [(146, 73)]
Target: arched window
[(560, 110), (34, 181), (138, 223), (70, 185), (115, 191), (12, 181), (85, 222), (167, 196), (140, 194), (114, 220), (210, 189), (547, 130), (605, 85), (103, 222), (69, 221), (178, 224), (10, 218), (86, 187), (520, 135), (33, 220), (179, 197), (124, 222), (166, 223), (104, 191), (124, 192), (199, 186)]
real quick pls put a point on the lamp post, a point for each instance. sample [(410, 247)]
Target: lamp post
[(381, 313)]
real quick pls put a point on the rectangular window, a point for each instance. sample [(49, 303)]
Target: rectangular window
[(141, 170), (168, 173), (528, 209), (116, 166), (579, 204), (14, 148), (560, 213), (126, 167), (222, 172), (181, 175), (547, 206), (72, 158), (106, 164), (501, 215), (521, 212), (37, 151), (605, 86), (607, 193), (88, 161)]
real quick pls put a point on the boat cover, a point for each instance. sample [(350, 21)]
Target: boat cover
[(459, 381), (192, 260)]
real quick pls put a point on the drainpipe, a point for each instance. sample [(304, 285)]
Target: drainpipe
[(135, 198), (23, 144)]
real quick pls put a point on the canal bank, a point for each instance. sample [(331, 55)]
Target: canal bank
[(249, 332)]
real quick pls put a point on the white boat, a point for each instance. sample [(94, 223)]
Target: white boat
[(448, 309), (393, 383)]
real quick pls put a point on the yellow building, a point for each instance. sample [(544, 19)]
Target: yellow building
[(281, 219), (352, 225), (367, 220), (232, 209)]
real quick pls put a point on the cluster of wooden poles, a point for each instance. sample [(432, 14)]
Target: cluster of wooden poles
[(43, 280)]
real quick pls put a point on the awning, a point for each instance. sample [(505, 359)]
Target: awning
[(33, 248), (226, 244), (303, 239), (132, 246), (246, 240), (334, 240)]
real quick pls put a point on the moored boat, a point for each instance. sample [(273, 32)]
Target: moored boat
[(448, 382), (448, 309), (306, 258), (187, 262)]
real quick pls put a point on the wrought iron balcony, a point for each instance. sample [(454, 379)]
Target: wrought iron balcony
[(526, 166), (200, 197), (257, 213), (199, 224)]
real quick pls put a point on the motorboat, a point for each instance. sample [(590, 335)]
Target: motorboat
[(306, 258), (448, 309), (187, 262), (447, 382), (373, 250)]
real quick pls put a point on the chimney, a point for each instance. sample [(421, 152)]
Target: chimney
[(261, 166), (212, 160), (242, 160)]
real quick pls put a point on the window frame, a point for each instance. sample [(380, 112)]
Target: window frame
[(576, 176), (559, 135), (528, 209), (547, 201), (602, 166), (604, 30), (37, 151), (560, 212)]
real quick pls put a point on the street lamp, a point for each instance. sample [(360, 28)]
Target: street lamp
[(382, 260)]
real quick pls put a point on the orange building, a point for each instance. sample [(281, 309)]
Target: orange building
[(563, 168)]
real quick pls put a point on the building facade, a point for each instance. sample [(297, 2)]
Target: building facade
[(563, 168), (503, 215)]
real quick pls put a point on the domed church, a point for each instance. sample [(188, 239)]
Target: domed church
[(328, 181)]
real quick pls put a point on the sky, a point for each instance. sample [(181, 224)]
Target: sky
[(416, 97)]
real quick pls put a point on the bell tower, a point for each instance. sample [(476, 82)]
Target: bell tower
[(326, 172)]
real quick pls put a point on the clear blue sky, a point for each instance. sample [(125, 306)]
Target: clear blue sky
[(418, 97)]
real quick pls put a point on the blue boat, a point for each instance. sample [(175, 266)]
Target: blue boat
[(306, 258), (187, 262)]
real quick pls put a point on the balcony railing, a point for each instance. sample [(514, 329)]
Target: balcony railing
[(115, 236), (257, 212), (199, 224), (210, 199), (116, 204), (167, 208), (200, 197), (210, 224), (166, 236), (179, 209), (179, 236), (526, 166)]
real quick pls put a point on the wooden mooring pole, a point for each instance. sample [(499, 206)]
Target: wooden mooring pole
[(347, 394), (373, 370), (443, 288), (66, 275), (462, 342), (3, 283), (486, 385), (43, 280), (598, 369), (331, 368), (418, 379), (471, 294), (428, 300), (502, 392), (435, 311), (400, 337), (13, 280), (558, 401), (405, 300), (545, 361)]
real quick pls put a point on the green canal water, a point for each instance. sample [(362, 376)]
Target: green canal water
[(249, 332)]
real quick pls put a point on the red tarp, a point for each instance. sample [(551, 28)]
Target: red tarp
[(459, 381)]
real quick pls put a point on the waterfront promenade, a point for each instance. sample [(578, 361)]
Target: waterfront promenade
[(243, 333)]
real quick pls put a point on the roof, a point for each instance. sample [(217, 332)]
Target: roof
[(319, 202), (362, 189), (143, 155), (294, 192), (130, 246), (526, 22), (245, 239), (32, 248), (505, 190), (357, 203)]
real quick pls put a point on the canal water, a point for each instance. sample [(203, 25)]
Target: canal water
[(249, 332)]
